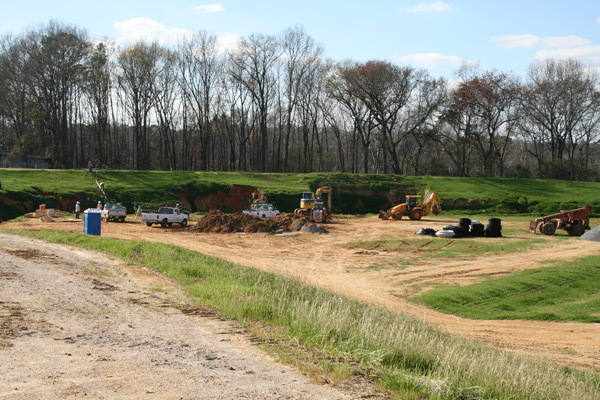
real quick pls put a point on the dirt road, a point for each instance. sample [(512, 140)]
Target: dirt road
[(74, 325), (382, 277)]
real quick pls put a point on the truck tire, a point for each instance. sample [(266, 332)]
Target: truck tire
[(184, 223), (263, 216), (148, 223), (416, 215), (163, 223), (397, 216), (578, 230), (548, 228)]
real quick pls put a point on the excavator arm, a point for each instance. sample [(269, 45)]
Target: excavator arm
[(328, 190), (431, 203)]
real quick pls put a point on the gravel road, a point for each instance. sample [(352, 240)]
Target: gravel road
[(75, 324)]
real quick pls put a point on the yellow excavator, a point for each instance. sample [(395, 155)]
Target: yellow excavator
[(313, 207), (412, 209)]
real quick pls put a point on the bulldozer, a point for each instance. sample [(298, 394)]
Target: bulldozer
[(313, 207), (412, 209), (575, 222)]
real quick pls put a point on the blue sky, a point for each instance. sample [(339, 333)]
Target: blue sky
[(436, 35)]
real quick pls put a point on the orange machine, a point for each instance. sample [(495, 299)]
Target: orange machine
[(575, 222), (411, 208)]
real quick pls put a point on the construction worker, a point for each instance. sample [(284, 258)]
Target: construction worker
[(99, 205), (77, 209)]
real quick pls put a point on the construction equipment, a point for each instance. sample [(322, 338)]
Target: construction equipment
[(575, 222), (412, 209), (313, 207)]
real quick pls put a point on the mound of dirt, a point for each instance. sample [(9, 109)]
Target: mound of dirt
[(313, 228), (218, 222)]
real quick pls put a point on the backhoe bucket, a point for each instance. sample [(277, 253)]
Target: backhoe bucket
[(533, 225), (384, 214)]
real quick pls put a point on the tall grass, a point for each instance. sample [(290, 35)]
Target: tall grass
[(408, 356)]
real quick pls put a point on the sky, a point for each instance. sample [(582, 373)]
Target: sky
[(439, 36)]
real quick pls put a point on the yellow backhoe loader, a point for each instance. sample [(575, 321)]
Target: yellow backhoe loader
[(313, 207), (412, 209)]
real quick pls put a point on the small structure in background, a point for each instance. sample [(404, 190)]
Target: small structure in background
[(92, 221)]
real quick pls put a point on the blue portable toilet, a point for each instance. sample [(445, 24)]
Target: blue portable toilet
[(91, 221)]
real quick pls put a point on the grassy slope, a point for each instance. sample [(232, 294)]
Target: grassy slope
[(565, 292), (404, 355), (486, 194)]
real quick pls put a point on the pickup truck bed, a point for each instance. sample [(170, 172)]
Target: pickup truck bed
[(114, 212), (166, 216), (262, 210)]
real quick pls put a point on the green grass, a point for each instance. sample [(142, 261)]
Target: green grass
[(403, 355), (565, 292), (429, 247), (353, 193)]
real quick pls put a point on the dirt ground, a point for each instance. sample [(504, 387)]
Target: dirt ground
[(75, 325), (331, 262)]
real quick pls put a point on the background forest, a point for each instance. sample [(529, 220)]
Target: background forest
[(275, 103)]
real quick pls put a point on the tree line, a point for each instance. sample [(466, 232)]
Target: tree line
[(275, 103)]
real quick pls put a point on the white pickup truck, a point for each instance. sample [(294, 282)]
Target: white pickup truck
[(166, 216), (262, 210), (116, 212)]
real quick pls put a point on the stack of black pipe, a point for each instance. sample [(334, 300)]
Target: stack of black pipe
[(465, 223), (477, 229), (494, 228), (458, 230)]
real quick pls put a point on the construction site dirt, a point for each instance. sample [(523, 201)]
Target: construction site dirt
[(334, 263)]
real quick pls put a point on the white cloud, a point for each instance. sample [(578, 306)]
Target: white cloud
[(146, 29), (210, 8), (430, 60), (552, 42), (589, 55), (228, 41), (438, 6)]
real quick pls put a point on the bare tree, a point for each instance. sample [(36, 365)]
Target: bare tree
[(560, 105), (167, 104), (15, 110), (301, 58), (201, 69), (97, 85), (54, 69), (251, 65), (340, 88), (139, 69), (485, 106)]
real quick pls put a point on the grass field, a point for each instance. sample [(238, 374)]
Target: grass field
[(344, 337), (564, 292), (361, 193)]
